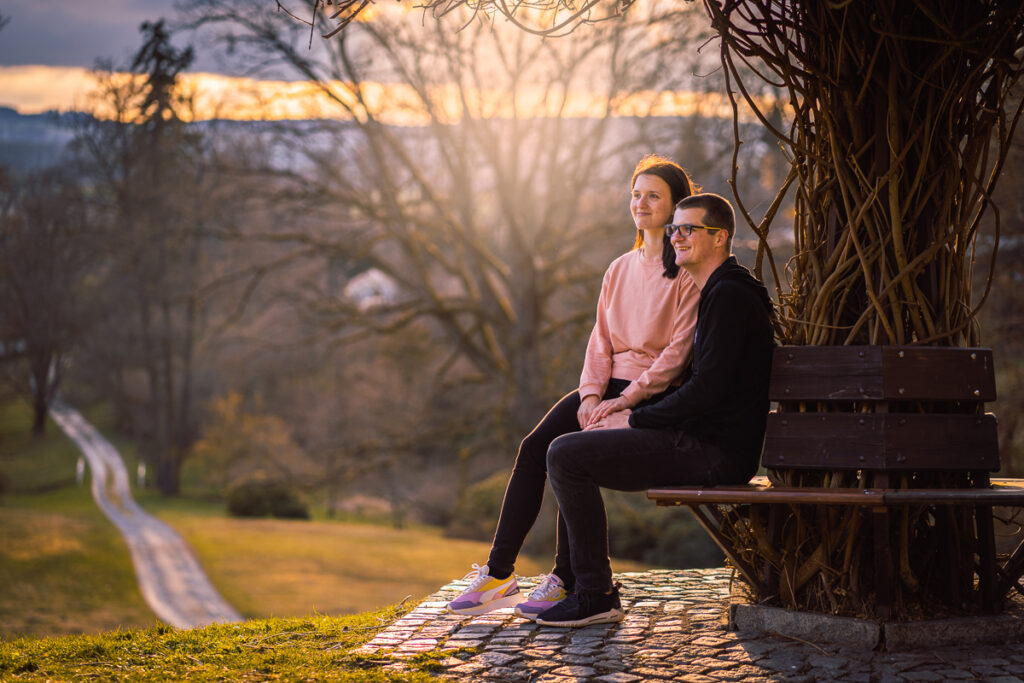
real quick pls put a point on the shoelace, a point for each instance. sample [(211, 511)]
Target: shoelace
[(547, 588), (479, 578)]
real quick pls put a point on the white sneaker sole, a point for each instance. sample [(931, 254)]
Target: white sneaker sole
[(508, 601), (610, 617)]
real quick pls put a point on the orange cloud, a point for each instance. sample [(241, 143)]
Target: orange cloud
[(34, 89)]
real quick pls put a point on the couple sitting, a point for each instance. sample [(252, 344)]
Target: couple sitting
[(638, 419)]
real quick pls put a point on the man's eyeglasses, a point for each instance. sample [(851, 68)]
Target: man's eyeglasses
[(686, 229)]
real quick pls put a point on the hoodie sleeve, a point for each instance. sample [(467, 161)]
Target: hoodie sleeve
[(597, 363), (722, 336)]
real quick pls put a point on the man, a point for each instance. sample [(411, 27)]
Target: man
[(708, 431)]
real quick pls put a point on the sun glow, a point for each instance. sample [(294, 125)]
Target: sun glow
[(35, 89)]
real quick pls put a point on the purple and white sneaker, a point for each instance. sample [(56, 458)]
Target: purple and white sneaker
[(486, 593), (548, 593)]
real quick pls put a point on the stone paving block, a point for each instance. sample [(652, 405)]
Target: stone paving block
[(653, 653), (618, 677), (782, 664), (620, 651), (1004, 679), (709, 641), (504, 673), (955, 674), (496, 658), (984, 671), (696, 678), (552, 636), (855, 678), (921, 676), (826, 662), (708, 663), (744, 672), (575, 671), (462, 644), (580, 660), (650, 673)]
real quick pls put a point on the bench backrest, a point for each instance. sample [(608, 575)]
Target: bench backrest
[(882, 408)]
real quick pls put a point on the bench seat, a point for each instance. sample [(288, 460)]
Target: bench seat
[(759, 490)]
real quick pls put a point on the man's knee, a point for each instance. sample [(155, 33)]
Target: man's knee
[(563, 454)]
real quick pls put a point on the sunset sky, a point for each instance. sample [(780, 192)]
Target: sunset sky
[(47, 49)]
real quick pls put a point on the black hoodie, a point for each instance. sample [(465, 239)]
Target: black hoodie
[(724, 397)]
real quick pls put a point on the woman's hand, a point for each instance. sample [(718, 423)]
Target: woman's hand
[(606, 408), (617, 420), (587, 406)]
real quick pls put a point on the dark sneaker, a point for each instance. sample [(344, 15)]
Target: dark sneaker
[(583, 608)]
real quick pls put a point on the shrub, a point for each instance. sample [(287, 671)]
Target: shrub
[(263, 498)]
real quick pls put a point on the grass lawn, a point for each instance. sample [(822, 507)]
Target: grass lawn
[(312, 649), (64, 568)]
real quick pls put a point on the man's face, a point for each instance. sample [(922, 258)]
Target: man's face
[(697, 248)]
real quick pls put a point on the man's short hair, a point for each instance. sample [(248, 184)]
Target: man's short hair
[(718, 211)]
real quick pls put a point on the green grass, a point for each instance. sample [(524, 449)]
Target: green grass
[(29, 465), (315, 648), (64, 568)]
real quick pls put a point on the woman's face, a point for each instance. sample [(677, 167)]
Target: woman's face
[(651, 204)]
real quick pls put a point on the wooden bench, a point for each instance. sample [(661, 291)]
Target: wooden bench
[(866, 410)]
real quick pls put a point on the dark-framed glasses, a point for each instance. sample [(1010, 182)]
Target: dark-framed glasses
[(686, 229)]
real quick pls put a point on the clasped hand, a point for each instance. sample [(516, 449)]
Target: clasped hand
[(611, 414)]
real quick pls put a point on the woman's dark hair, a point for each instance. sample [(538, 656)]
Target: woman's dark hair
[(679, 184)]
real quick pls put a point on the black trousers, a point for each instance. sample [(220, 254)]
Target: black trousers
[(525, 491), (624, 460)]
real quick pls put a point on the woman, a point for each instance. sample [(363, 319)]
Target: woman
[(638, 348)]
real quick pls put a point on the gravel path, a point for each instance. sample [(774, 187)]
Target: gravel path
[(171, 580)]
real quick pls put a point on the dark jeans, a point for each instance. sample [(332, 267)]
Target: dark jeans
[(624, 460), (525, 490)]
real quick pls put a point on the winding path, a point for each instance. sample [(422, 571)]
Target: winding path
[(171, 580)]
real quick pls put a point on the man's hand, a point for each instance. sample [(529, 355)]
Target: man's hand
[(617, 420), (585, 414)]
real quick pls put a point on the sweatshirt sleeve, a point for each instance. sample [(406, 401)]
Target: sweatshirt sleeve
[(597, 363), (723, 333), (669, 364)]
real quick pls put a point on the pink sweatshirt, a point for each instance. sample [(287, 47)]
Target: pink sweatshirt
[(644, 329)]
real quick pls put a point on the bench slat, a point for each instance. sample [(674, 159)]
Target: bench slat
[(881, 441), (882, 373)]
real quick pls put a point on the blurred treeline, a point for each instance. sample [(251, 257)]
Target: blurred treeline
[(373, 309)]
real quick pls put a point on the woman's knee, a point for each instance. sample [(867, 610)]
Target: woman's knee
[(532, 453)]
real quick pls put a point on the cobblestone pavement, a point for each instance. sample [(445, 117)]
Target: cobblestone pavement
[(675, 629)]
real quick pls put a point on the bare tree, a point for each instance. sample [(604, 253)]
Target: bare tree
[(47, 248), (150, 177), (480, 173)]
